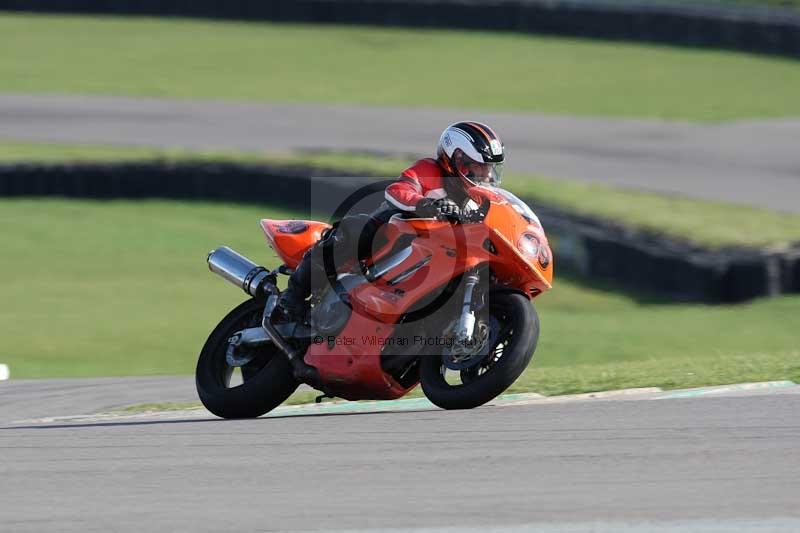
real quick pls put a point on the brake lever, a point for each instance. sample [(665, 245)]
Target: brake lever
[(468, 217)]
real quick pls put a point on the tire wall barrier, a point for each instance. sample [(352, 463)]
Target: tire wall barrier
[(593, 248), (763, 29)]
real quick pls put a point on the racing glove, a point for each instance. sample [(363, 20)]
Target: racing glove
[(447, 207), (428, 208)]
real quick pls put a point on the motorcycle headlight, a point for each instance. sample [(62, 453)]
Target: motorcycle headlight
[(529, 245)]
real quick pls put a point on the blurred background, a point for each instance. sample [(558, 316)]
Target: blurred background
[(657, 141)]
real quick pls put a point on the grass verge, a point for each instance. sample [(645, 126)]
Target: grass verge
[(298, 398), (703, 222), (121, 289), (184, 58)]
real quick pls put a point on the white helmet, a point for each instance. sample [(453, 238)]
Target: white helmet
[(473, 152)]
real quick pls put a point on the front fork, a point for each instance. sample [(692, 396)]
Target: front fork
[(466, 321)]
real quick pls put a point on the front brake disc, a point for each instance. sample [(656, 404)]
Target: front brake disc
[(458, 357)]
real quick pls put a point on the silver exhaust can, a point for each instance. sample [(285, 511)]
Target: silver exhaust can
[(238, 270)]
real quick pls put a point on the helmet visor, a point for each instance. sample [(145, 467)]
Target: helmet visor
[(479, 173)]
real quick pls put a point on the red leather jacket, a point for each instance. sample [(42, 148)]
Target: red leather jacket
[(423, 179)]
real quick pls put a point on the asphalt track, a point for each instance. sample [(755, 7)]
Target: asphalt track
[(725, 463), (749, 162)]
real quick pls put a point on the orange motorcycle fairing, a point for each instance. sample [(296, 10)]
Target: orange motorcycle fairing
[(350, 363), (511, 244), (292, 238)]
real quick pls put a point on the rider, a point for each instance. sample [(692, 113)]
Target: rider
[(468, 154)]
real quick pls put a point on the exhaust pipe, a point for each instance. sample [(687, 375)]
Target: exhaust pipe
[(238, 270), (256, 280)]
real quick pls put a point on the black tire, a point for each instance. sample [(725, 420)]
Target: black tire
[(521, 332), (267, 380)]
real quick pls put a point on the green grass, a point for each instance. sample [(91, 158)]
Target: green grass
[(671, 372), (121, 289), (22, 152), (27, 152), (703, 222), (379, 66)]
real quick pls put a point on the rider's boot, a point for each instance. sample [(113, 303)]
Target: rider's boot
[(309, 274), (293, 300)]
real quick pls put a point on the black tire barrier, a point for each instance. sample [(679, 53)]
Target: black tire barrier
[(646, 261), (225, 182), (594, 248), (763, 29)]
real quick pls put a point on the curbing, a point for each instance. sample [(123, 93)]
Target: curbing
[(725, 389), (422, 404), (602, 250)]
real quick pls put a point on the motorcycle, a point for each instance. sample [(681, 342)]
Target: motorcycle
[(445, 302)]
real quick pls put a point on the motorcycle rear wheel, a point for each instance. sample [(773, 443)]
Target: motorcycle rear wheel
[(509, 356), (267, 380)]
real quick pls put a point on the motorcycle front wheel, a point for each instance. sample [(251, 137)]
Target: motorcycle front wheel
[(514, 334), (260, 386)]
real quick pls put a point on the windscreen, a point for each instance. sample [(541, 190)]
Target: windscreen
[(520, 206)]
